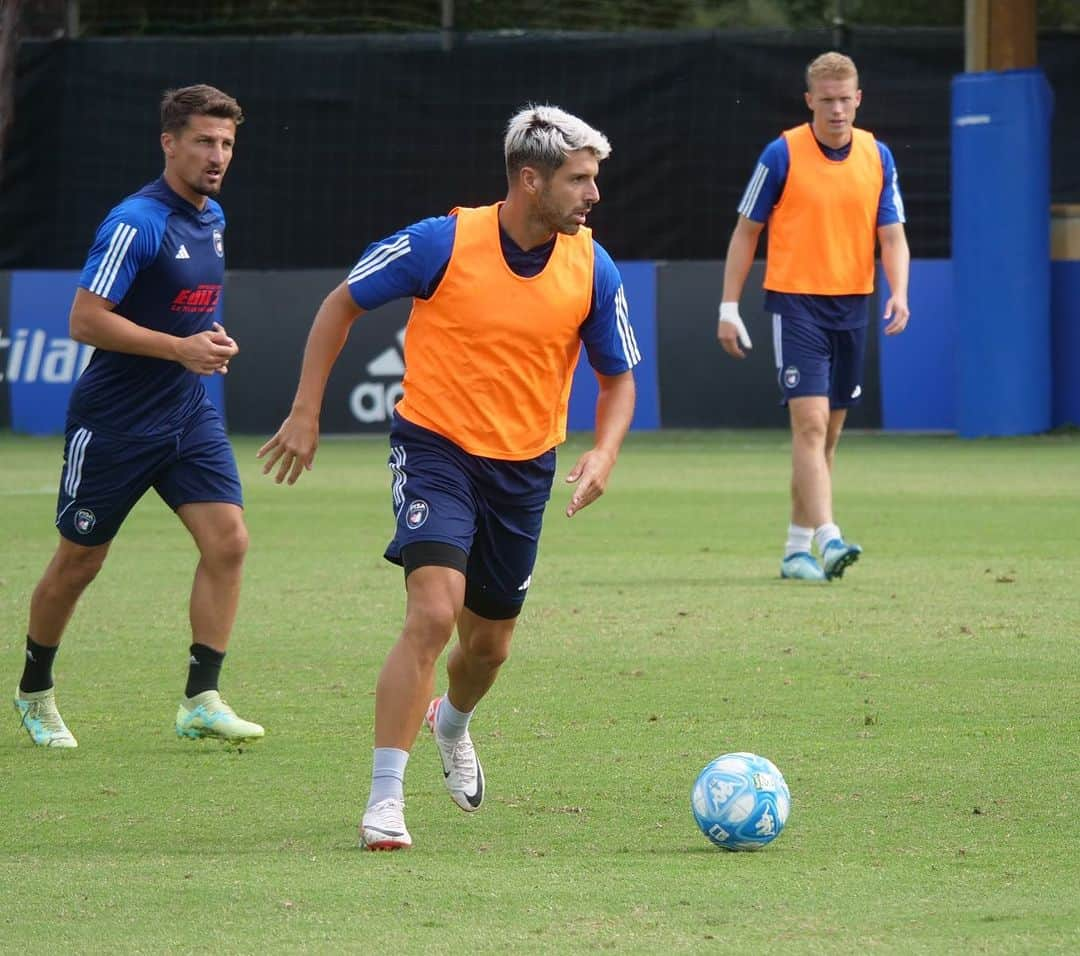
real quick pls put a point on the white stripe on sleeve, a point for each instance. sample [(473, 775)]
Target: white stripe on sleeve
[(379, 258), (112, 260), (626, 330), (753, 190)]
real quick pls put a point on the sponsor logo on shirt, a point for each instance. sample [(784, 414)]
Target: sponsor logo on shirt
[(203, 298)]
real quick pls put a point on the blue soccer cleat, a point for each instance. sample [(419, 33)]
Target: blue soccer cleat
[(801, 566), (838, 556)]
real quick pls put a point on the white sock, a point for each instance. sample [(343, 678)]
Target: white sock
[(825, 534), (388, 775), (798, 539), (450, 722)]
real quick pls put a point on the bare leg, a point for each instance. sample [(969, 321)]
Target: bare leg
[(222, 539), (67, 575), (407, 680), (473, 664), (811, 481)]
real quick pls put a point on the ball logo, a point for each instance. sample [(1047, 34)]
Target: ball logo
[(791, 376), (84, 521), (219, 243), (417, 514)]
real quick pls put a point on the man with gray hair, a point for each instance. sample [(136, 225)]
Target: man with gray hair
[(503, 297)]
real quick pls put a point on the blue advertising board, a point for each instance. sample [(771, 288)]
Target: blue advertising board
[(43, 362)]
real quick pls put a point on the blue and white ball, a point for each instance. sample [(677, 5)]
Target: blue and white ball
[(741, 801)]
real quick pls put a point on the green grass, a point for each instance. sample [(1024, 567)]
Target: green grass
[(924, 711)]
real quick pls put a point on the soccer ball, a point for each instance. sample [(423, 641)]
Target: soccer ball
[(740, 801)]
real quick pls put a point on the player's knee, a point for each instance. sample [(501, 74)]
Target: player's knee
[(490, 654), (431, 620), (810, 429), (73, 570), (229, 545)]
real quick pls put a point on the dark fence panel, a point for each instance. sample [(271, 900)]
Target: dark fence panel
[(348, 138)]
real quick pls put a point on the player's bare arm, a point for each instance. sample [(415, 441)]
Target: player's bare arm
[(614, 412), (896, 261), (94, 321), (730, 330), (292, 449)]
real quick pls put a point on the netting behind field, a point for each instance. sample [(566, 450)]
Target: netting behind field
[(349, 138), (267, 17)]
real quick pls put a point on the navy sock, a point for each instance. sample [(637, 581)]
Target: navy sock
[(37, 671), (204, 668)]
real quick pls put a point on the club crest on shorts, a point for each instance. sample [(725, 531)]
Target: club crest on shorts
[(417, 514), (791, 377), (85, 521), (219, 243)]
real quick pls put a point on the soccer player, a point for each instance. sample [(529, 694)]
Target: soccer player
[(148, 300), (503, 297), (827, 191)]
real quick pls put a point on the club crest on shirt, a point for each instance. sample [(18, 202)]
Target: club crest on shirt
[(417, 514), (791, 377), (219, 243), (85, 521)]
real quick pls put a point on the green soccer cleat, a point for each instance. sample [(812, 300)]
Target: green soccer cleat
[(38, 714), (207, 715)]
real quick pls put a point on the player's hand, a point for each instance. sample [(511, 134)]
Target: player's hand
[(206, 352), (590, 474), (731, 331), (221, 337), (292, 449), (897, 315)]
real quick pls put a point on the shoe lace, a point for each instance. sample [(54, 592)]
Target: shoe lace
[(463, 758), (46, 714)]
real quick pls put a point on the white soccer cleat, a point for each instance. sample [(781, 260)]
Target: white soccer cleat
[(383, 827), (38, 714), (462, 773)]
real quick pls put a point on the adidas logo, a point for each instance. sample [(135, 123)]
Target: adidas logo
[(389, 363), (374, 400), (182, 252), (525, 584)]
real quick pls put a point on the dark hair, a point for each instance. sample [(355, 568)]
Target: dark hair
[(178, 106)]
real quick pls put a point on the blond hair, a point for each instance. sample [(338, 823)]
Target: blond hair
[(831, 66)]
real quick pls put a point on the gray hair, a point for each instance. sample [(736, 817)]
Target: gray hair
[(542, 136)]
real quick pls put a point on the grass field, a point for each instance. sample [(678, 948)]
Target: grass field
[(925, 711)]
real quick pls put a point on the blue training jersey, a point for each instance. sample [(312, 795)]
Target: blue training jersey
[(162, 262), (764, 191), (411, 263)]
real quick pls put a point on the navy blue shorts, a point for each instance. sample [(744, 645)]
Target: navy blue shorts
[(814, 360), (104, 476), (492, 510)]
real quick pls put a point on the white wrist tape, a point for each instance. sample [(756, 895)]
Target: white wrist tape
[(729, 312)]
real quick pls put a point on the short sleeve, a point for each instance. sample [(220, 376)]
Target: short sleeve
[(126, 242), (767, 182), (406, 264), (607, 333)]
